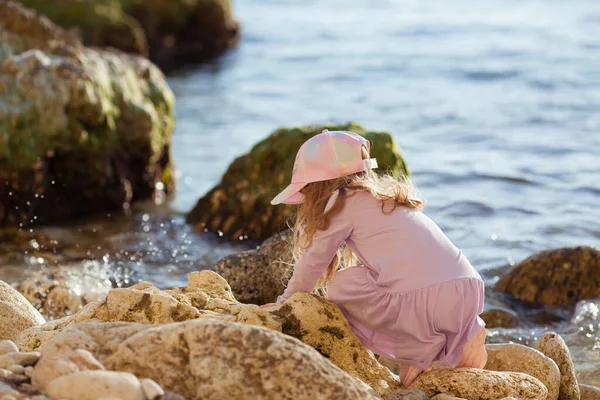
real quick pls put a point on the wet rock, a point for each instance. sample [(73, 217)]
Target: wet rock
[(319, 323), (259, 276), (558, 277), (7, 346), (84, 130), (91, 385), (212, 359), (240, 205), (519, 358), (171, 33), (470, 383), (589, 392), (16, 313), (407, 395), (500, 318), (553, 346)]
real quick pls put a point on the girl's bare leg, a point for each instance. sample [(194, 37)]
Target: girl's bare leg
[(408, 373), (474, 353)]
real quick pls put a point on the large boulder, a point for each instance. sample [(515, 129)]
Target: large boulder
[(558, 277), (171, 32), (309, 318), (240, 205), (16, 313), (212, 359), (518, 358), (470, 383), (259, 276), (83, 130)]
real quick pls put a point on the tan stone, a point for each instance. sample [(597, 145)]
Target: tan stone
[(319, 323), (553, 346), (16, 313), (519, 358), (91, 385), (470, 383), (589, 392), (444, 396), (25, 359), (151, 389), (218, 359), (8, 346), (50, 368)]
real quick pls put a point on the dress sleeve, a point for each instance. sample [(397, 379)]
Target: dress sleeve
[(315, 259)]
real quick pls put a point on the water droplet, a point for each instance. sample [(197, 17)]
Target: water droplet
[(146, 228), (159, 186), (494, 236), (145, 217), (53, 182)]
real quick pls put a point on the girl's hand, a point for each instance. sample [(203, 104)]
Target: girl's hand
[(268, 305)]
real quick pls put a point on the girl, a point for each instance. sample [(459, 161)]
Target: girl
[(415, 298)]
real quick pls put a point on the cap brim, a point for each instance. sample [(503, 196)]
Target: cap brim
[(290, 195)]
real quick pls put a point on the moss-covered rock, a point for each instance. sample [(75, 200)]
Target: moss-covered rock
[(82, 130), (240, 204), (559, 277), (171, 32)]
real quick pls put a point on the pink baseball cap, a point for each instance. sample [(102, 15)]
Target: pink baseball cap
[(325, 156)]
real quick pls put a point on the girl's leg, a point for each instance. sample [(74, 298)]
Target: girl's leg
[(408, 374), (474, 353)]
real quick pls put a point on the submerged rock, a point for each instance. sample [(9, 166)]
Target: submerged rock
[(558, 277), (553, 346), (171, 32), (259, 276), (84, 130), (211, 359), (519, 358), (470, 383), (500, 318), (16, 313), (240, 205)]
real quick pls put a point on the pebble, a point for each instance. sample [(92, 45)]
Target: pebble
[(151, 389), (7, 346), (24, 359), (16, 369)]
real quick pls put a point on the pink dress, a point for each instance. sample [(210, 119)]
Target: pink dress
[(416, 299)]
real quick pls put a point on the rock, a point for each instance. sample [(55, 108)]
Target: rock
[(91, 385), (52, 367), (24, 359), (557, 277), (519, 358), (553, 346), (589, 392), (84, 130), (171, 33), (17, 369), (407, 395), (259, 276), (151, 389), (57, 293), (500, 318), (470, 383), (319, 323), (240, 205), (444, 396), (16, 313), (7, 346), (213, 359)]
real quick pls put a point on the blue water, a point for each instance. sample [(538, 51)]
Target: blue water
[(495, 105)]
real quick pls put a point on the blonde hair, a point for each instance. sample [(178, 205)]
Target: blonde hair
[(311, 216)]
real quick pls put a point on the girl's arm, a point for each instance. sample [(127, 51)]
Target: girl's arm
[(314, 260)]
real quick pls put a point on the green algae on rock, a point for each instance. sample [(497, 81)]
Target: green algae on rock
[(240, 204), (83, 130), (171, 33), (558, 277)]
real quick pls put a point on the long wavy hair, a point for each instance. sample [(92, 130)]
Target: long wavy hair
[(391, 191)]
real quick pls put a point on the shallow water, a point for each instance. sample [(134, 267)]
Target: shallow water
[(495, 105)]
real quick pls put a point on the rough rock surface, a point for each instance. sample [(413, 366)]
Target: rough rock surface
[(589, 392), (553, 346), (16, 313), (92, 385), (407, 395), (519, 358), (50, 368), (259, 276), (84, 130), (558, 277), (500, 318), (470, 383), (240, 206), (219, 359), (170, 32), (312, 319)]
